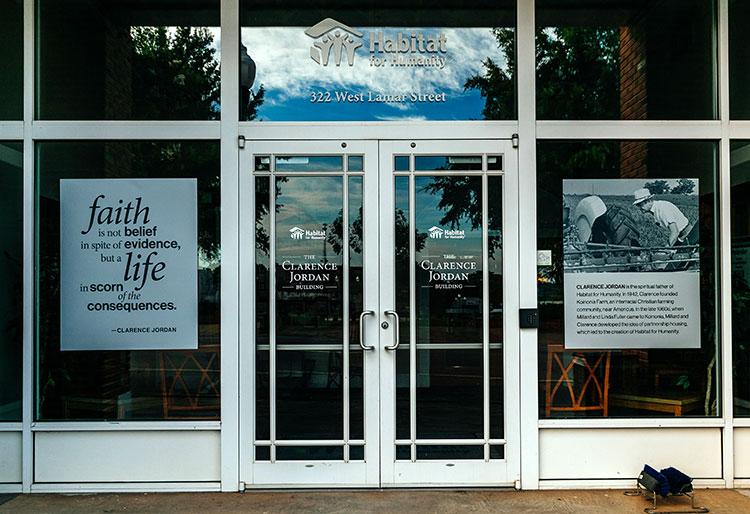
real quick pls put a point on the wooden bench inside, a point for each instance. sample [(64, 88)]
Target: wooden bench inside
[(676, 405)]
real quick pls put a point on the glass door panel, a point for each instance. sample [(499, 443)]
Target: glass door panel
[(311, 368), (444, 398)]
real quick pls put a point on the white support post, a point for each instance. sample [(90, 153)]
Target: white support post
[(28, 247), (230, 373), (725, 390), (526, 78)]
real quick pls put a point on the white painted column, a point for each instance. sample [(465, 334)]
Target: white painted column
[(28, 246), (230, 95), (526, 80), (726, 387)]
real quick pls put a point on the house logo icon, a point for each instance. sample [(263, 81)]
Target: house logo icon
[(436, 232), (333, 38), (296, 233)]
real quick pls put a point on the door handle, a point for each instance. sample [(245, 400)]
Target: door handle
[(396, 327), (362, 330)]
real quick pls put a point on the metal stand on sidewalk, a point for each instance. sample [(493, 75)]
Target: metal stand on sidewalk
[(646, 486)]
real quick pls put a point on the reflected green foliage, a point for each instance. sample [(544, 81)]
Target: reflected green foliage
[(252, 102), (262, 237), (577, 74), (176, 73), (402, 236), (497, 85), (337, 228)]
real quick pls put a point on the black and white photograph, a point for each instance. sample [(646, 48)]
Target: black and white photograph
[(612, 225)]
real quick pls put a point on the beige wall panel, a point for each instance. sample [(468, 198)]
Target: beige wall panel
[(138, 456), (618, 453), (10, 457)]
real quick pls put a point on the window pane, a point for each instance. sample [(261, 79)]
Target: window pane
[(630, 60), (629, 243), (447, 163), (329, 61), (11, 262), (739, 60), (123, 60), (309, 163), (124, 385), (11, 60), (741, 275)]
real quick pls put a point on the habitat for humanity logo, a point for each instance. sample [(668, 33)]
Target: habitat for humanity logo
[(439, 233), (296, 233), (301, 233), (333, 37)]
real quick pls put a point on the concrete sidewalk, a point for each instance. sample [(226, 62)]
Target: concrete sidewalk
[(720, 501)]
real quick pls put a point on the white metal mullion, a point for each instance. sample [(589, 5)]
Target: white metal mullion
[(155, 130), (311, 442), (485, 321), (227, 130), (11, 130), (623, 129), (272, 316), (317, 173), (525, 197), (452, 442), (125, 426), (412, 316), (724, 369), (247, 351), (345, 317), (739, 129), (374, 130), (29, 236), (630, 423)]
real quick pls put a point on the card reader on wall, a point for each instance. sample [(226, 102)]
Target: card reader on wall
[(528, 318)]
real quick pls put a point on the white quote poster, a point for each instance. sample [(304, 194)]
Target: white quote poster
[(128, 264), (631, 263)]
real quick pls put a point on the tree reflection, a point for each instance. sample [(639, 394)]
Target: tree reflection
[(577, 69)]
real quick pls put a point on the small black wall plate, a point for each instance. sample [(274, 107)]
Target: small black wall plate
[(528, 318)]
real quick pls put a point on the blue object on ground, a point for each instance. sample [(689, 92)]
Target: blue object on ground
[(662, 484), (679, 482)]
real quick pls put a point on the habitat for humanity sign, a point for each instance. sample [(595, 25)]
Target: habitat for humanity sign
[(335, 40), (128, 264)]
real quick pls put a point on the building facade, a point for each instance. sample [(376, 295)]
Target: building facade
[(508, 245)]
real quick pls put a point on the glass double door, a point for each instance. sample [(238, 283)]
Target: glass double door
[(376, 349)]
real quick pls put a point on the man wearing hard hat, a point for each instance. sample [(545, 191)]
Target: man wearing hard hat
[(669, 216)]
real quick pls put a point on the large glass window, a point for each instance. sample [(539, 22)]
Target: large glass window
[(739, 60), (335, 60), (124, 385), (741, 275), (11, 59), (128, 60), (630, 60), (628, 304), (11, 292)]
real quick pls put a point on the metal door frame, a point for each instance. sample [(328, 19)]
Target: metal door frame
[(375, 471)]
